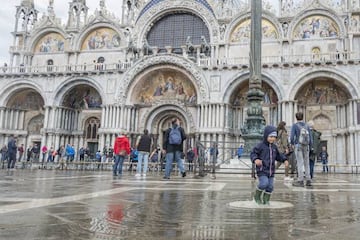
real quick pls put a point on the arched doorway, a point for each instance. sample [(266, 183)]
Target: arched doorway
[(162, 122), (326, 102), (25, 111), (238, 101), (92, 126), (81, 113)]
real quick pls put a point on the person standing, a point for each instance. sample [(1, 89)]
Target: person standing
[(324, 159), (240, 151), (264, 155), (12, 150), (314, 150), (21, 152), (173, 147), (282, 144), (143, 145), (44, 150), (190, 155), (121, 150), (300, 138)]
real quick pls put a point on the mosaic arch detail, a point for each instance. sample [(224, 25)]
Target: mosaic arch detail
[(241, 33), (82, 97), (50, 43), (240, 99), (101, 38), (27, 99), (322, 91), (316, 26), (165, 84)]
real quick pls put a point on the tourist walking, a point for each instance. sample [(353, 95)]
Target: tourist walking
[(300, 138), (173, 147)]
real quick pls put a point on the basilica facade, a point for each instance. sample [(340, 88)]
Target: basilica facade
[(95, 74)]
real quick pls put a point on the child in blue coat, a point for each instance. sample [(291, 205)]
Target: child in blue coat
[(264, 155)]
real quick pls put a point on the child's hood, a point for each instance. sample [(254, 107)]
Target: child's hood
[(268, 129)]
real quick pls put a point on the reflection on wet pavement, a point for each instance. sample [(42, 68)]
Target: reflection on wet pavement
[(94, 205)]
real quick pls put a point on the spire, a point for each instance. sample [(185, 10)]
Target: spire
[(102, 5), (27, 3), (51, 11)]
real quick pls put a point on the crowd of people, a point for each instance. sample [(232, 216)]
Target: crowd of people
[(297, 150)]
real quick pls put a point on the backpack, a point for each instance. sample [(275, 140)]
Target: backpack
[(175, 136), (304, 136)]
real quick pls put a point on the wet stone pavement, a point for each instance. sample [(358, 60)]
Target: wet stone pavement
[(51, 204)]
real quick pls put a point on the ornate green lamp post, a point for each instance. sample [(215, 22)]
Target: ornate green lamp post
[(252, 130)]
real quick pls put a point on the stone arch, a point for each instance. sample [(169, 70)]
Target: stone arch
[(54, 34), (242, 19), (157, 119), (35, 124), (183, 65), (162, 83), (317, 14), (145, 21), (67, 86), (17, 86), (337, 77), (115, 38), (323, 122), (242, 78)]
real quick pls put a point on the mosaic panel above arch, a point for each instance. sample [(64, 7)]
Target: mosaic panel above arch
[(27, 99), (50, 43), (322, 91), (102, 38), (316, 26), (82, 97), (239, 97), (241, 33), (166, 84)]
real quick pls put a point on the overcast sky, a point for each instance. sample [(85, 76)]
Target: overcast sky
[(61, 7), (8, 10)]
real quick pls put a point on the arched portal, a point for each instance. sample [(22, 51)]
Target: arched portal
[(238, 101), (82, 97), (160, 120), (81, 112), (25, 112)]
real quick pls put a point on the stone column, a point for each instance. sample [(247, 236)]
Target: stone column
[(2, 115), (16, 122), (102, 116), (46, 117), (122, 116), (351, 147)]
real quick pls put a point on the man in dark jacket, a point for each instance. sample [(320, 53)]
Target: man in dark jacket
[(173, 147), (12, 150), (264, 155)]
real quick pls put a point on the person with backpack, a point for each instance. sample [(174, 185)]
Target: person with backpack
[(143, 146), (301, 139), (173, 147)]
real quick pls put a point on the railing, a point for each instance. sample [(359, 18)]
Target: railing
[(241, 62), (47, 69)]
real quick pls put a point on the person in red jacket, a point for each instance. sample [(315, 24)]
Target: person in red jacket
[(121, 150)]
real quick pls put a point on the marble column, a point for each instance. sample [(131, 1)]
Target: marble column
[(2, 115)]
